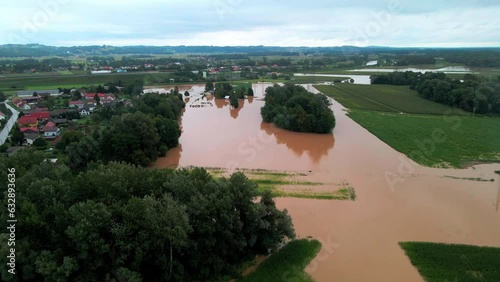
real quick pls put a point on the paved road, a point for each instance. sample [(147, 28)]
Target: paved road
[(5, 132)]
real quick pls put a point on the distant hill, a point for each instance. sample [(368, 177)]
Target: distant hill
[(37, 50)]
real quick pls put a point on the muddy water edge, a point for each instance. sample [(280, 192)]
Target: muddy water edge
[(360, 238)]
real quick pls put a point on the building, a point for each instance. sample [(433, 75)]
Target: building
[(26, 130), (50, 132), (29, 138), (2, 116), (27, 121), (30, 93), (76, 104)]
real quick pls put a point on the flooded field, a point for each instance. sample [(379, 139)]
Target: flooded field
[(397, 200)]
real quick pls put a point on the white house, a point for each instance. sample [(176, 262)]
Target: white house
[(30, 138), (50, 132), (2, 116), (87, 110)]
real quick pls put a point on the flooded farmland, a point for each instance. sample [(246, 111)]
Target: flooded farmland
[(398, 200)]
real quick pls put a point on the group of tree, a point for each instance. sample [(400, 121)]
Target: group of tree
[(293, 108), (137, 135), (119, 222), (472, 93)]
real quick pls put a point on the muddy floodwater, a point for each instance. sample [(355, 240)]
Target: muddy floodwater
[(398, 200)]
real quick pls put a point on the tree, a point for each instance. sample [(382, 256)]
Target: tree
[(2, 97), (250, 91), (82, 153), (40, 143), (209, 86), (97, 99), (233, 100), (17, 136)]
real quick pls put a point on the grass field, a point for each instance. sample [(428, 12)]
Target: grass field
[(292, 184), (61, 80), (287, 264), (386, 98), (457, 263), (443, 141)]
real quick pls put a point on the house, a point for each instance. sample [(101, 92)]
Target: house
[(40, 115), (86, 111), (76, 104), (29, 138), (27, 121), (102, 96), (60, 121), (30, 93), (31, 100), (50, 124), (2, 116), (25, 107), (50, 132), (27, 130)]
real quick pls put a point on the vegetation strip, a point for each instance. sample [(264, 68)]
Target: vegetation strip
[(277, 181), (287, 264), (442, 262)]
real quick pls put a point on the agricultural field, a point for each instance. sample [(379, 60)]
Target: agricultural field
[(442, 262), (287, 264), (431, 140), (385, 98), (62, 80)]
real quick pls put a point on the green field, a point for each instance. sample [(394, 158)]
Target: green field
[(444, 141), (457, 263), (385, 98), (59, 80), (287, 264)]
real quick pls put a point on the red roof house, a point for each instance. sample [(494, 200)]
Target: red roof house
[(27, 121), (28, 129), (40, 115)]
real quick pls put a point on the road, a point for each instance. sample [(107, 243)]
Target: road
[(5, 132)]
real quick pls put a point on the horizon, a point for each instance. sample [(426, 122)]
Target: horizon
[(262, 46), (235, 23)]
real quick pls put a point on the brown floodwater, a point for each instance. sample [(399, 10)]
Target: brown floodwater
[(398, 200)]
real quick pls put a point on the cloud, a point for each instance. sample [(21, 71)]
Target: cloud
[(243, 22)]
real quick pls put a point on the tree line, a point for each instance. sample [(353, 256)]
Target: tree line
[(120, 222), (472, 93), (137, 135), (293, 108)]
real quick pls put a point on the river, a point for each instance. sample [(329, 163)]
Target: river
[(360, 238)]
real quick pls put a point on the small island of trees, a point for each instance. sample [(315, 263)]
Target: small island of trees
[(292, 107)]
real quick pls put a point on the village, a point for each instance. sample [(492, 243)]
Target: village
[(37, 121)]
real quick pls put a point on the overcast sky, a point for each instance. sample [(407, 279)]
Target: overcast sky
[(404, 23)]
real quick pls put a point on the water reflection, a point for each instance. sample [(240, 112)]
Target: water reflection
[(236, 111), (316, 146), (221, 103), (498, 194)]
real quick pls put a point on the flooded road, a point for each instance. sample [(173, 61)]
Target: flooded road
[(398, 200)]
